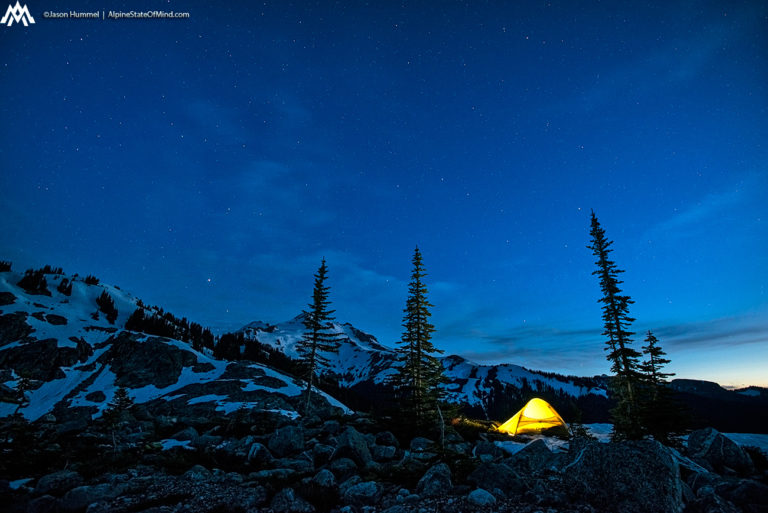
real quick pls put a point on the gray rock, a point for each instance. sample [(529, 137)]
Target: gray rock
[(298, 464), (286, 440), (707, 501), (349, 483), (719, 451), (746, 494), (279, 475), (77, 499), (397, 508), (331, 427), (383, 452), (351, 444), (321, 454), (487, 451), (481, 498), (286, 501), (532, 458), (58, 483), (44, 504), (198, 473), (188, 433), (637, 476), (387, 438), (258, 453), (421, 444), (366, 493), (436, 481), (325, 479), (498, 476), (342, 467)]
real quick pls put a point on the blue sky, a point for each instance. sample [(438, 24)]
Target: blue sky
[(208, 164)]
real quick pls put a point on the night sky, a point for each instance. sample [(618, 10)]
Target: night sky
[(208, 164)]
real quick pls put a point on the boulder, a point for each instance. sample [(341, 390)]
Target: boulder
[(78, 499), (188, 433), (481, 498), (436, 481), (497, 476), (387, 438), (286, 501), (342, 467), (487, 451), (301, 465), (322, 490), (321, 454), (532, 458), (258, 453), (366, 493), (746, 494), (331, 427), (634, 476), (58, 483), (351, 444), (324, 479), (421, 444), (707, 501), (286, 440), (711, 448), (198, 473), (43, 504), (383, 452)]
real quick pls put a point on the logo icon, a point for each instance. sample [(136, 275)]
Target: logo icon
[(18, 14)]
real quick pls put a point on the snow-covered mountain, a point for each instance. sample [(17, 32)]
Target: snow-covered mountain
[(75, 360), (362, 359)]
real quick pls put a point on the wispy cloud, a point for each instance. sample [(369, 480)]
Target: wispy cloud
[(580, 350), (692, 218)]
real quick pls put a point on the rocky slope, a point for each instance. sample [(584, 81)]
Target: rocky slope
[(76, 359)]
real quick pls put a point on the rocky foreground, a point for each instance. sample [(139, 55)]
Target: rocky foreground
[(350, 465)]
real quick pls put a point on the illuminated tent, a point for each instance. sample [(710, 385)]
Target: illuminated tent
[(536, 416)]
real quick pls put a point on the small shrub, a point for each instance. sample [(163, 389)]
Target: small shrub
[(47, 269), (5, 266), (91, 280), (107, 305)]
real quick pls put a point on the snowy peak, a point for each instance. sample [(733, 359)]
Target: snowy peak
[(363, 360), (360, 355)]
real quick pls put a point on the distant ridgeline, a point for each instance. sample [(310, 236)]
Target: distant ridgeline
[(358, 375)]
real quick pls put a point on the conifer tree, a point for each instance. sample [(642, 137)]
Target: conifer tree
[(319, 334), (617, 322), (420, 372), (651, 368), (117, 413), (662, 416)]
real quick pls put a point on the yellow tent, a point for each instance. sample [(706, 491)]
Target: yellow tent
[(536, 416)]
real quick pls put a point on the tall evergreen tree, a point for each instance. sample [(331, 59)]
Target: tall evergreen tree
[(617, 322), (319, 334), (420, 372)]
